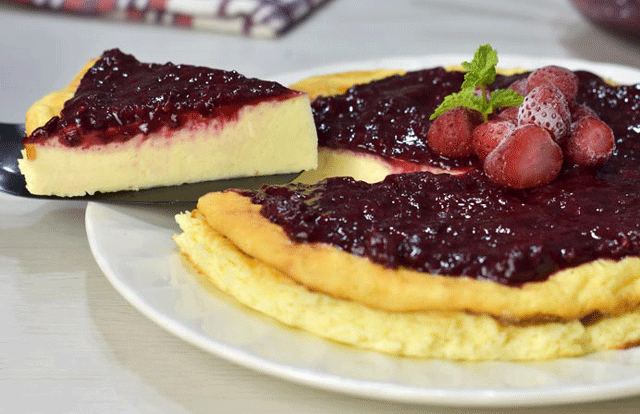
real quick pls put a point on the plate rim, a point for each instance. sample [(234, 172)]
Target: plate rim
[(375, 390)]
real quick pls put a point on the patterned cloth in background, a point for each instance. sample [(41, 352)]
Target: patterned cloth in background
[(255, 18)]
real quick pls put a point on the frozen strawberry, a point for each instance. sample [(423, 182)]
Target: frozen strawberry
[(450, 134), (560, 77), (590, 143), (519, 86), (528, 157), (488, 135), (509, 114), (546, 106), (579, 111)]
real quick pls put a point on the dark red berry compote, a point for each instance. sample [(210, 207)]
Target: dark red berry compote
[(388, 117), (466, 225), (120, 97)]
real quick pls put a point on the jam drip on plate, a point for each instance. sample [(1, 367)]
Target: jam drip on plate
[(466, 225), (120, 97)]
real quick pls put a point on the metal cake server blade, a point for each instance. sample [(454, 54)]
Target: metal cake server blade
[(12, 181)]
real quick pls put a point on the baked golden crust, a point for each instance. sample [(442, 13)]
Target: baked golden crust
[(51, 104), (604, 286), (431, 334), (338, 83)]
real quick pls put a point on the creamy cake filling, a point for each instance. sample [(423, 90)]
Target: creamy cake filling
[(199, 151), (122, 125)]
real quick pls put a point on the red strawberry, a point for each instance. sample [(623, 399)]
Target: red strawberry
[(579, 111), (560, 77), (546, 106), (450, 134), (527, 157), (519, 86), (590, 143), (509, 114), (488, 135)]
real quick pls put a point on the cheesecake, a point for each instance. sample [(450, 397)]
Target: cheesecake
[(452, 266), (126, 125)]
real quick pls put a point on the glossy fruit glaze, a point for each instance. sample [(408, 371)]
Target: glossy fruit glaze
[(466, 225), (389, 117), (120, 97)]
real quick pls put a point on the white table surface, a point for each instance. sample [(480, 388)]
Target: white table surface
[(69, 343)]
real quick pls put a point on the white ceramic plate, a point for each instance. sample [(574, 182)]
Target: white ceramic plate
[(133, 247)]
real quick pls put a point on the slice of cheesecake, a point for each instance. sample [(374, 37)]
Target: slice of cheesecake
[(126, 125)]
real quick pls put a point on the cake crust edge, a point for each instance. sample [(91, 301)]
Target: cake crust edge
[(602, 286), (218, 264)]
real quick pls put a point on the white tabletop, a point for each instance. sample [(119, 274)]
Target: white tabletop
[(69, 343)]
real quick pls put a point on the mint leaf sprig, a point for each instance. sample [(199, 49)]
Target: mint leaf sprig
[(481, 72)]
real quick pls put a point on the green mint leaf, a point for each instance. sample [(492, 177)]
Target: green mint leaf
[(464, 98), (482, 69), (505, 97), (449, 102), (481, 72)]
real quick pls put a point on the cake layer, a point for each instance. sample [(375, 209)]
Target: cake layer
[(122, 125), (607, 287), (431, 334), (345, 163), (271, 137), (363, 166)]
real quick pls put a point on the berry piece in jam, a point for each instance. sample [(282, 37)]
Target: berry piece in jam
[(590, 143), (528, 157), (451, 134), (547, 107), (560, 77)]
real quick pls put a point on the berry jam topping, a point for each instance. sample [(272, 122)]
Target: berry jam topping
[(468, 225), (389, 117), (120, 97)]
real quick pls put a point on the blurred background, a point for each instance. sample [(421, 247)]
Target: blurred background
[(42, 48)]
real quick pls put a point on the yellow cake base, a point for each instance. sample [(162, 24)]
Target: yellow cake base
[(434, 334)]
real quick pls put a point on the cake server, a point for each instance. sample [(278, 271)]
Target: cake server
[(12, 181)]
